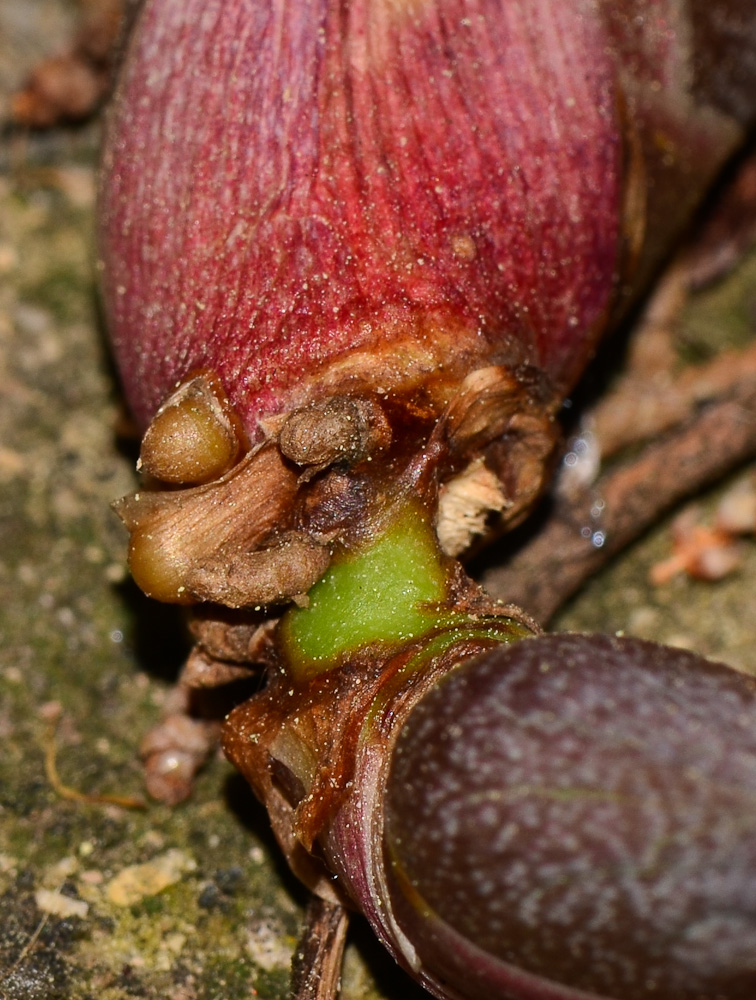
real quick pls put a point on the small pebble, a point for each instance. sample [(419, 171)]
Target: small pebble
[(136, 882), (58, 905)]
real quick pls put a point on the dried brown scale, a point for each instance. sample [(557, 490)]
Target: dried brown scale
[(230, 636), (172, 532), (332, 502), (271, 575), (341, 429), (202, 670)]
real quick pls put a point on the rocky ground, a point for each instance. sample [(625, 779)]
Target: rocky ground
[(85, 662)]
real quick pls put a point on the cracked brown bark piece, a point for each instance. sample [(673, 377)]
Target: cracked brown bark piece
[(316, 970)]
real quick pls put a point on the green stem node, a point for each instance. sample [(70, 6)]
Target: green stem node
[(390, 591)]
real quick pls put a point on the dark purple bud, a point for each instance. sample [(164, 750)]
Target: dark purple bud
[(573, 816)]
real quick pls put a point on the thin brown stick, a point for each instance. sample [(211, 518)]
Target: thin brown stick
[(74, 794), (548, 570), (642, 408), (316, 969), (6, 974)]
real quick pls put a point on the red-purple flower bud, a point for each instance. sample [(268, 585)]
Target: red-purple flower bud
[(573, 815), (298, 195)]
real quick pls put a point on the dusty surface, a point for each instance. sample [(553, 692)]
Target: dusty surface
[(214, 915)]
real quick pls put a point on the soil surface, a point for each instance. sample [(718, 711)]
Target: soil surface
[(86, 662)]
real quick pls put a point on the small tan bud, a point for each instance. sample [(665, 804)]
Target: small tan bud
[(192, 439)]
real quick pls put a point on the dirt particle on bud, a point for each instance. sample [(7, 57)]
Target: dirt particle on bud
[(463, 246)]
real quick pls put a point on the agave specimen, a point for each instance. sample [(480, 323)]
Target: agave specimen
[(355, 254)]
